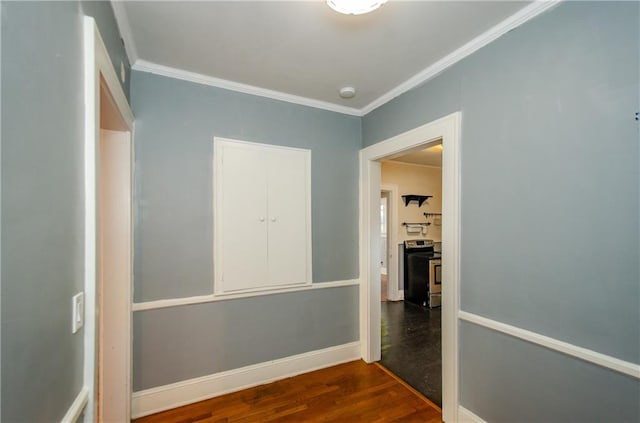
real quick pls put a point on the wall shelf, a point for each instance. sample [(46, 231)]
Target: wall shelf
[(413, 197)]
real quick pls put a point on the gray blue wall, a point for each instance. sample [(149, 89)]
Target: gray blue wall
[(175, 125), (550, 191), (548, 135), (42, 202), (179, 343), (102, 12)]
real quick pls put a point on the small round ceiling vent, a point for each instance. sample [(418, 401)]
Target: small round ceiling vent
[(347, 92)]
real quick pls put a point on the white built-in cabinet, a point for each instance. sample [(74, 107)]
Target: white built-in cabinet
[(262, 216)]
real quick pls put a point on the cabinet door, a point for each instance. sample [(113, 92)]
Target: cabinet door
[(289, 217), (243, 221)]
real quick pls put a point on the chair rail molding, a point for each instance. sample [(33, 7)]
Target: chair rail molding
[(210, 298), (594, 357)]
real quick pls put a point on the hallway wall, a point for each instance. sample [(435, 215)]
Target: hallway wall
[(176, 122), (43, 201), (550, 209)]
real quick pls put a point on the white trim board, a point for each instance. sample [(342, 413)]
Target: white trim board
[(522, 16), (603, 360), (175, 302), (77, 407), (467, 416), (166, 397)]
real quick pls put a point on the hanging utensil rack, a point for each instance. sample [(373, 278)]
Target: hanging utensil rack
[(430, 214)]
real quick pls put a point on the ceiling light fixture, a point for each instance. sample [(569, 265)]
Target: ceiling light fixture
[(355, 7)]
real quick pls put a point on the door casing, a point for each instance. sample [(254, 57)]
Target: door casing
[(99, 71), (448, 130)]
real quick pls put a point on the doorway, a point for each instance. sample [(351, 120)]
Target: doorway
[(388, 247), (384, 211), (411, 329), (384, 246), (114, 261), (448, 130), (108, 236)]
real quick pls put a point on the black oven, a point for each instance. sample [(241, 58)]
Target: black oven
[(418, 257)]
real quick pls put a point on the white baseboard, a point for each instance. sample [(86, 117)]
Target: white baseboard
[(77, 407), (166, 397), (466, 416)]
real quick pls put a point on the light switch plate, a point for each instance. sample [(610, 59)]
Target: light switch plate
[(78, 312)]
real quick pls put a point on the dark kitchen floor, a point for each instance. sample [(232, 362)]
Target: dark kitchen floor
[(411, 346)]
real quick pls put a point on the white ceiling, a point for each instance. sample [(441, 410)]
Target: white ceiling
[(303, 50), (431, 156)]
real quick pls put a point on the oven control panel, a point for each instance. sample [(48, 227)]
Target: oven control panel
[(418, 243)]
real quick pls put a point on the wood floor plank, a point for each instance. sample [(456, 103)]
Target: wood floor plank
[(350, 392)]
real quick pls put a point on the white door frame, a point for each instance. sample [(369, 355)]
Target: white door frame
[(97, 65), (393, 292), (447, 129)]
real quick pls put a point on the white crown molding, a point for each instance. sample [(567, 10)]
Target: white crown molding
[(77, 407), (395, 161), (125, 30), (145, 66), (177, 394), (513, 21), (594, 357)]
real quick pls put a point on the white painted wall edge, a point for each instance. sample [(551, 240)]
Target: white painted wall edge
[(77, 407), (175, 302), (522, 16), (189, 391), (467, 416), (603, 360)]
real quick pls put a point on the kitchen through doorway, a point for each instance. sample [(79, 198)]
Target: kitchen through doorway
[(411, 336)]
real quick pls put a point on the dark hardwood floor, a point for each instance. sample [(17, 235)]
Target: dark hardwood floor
[(350, 392), (412, 346)]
